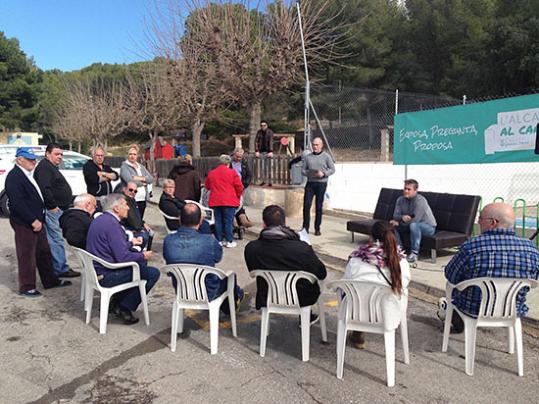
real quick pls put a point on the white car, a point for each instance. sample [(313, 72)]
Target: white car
[(71, 168)]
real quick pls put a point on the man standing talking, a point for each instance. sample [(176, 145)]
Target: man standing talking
[(317, 167), (58, 196)]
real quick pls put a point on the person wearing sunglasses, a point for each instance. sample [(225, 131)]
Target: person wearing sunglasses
[(133, 220), (132, 170)]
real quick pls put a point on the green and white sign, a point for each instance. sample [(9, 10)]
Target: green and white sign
[(487, 132)]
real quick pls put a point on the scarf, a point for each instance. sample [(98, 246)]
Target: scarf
[(278, 233), (373, 253)]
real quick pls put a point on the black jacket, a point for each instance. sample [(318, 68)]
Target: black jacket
[(171, 206), (264, 141), (54, 187), (25, 204), (133, 221), (246, 175), (285, 254), (75, 224), (93, 186)]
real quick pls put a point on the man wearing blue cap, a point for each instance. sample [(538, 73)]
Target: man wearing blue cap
[(27, 215)]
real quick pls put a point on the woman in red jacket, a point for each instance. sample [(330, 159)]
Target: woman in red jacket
[(225, 188)]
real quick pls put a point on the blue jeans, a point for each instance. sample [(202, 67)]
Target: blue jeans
[(56, 241), (416, 230), (224, 216), (130, 298)]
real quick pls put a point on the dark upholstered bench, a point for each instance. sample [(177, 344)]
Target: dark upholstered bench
[(455, 216)]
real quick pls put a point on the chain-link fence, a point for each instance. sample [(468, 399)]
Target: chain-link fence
[(355, 122), (353, 118)]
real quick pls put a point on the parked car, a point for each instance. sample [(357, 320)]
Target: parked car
[(71, 168)]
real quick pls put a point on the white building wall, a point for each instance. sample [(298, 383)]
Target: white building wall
[(355, 186)]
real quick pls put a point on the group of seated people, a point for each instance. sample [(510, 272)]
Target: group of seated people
[(497, 252)]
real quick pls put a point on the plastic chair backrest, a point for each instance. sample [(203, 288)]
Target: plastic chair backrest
[(282, 286), (365, 301), (498, 295), (190, 285), (87, 262)]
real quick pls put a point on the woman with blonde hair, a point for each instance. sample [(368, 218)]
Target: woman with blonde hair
[(132, 171), (381, 261)]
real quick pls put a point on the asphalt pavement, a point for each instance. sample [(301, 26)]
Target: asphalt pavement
[(49, 355)]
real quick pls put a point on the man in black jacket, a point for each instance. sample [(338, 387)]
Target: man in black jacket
[(76, 221), (279, 248), (97, 175), (58, 196), (172, 206), (134, 221), (27, 214), (264, 149)]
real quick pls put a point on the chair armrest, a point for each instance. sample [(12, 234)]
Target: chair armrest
[(449, 289), (109, 265)]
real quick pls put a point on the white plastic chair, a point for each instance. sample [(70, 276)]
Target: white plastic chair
[(207, 213), (497, 309), (191, 294), (283, 299), (82, 272), (370, 307), (92, 283), (169, 218)]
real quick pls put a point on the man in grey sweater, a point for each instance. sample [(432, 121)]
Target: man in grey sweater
[(413, 215), (317, 167)]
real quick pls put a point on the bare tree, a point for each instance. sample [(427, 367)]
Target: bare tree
[(199, 93), (93, 110), (151, 105), (259, 53)]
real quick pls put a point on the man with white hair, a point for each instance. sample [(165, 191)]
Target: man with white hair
[(27, 217), (499, 253), (98, 175), (107, 240), (76, 221)]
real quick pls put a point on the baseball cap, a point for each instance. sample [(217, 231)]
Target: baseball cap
[(25, 152)]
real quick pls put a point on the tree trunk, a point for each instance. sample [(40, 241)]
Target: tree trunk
[(79, 147), (70, 145), (151, 162), (197, 128), (254, 124)]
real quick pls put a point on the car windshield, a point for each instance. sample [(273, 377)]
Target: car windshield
[(72, 162)]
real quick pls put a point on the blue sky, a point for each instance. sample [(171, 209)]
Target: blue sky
[(72, 34)]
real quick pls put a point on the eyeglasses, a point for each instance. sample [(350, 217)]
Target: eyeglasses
[(488, 218), (132, 190)]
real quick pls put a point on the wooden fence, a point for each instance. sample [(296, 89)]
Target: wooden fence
[(276, 167)]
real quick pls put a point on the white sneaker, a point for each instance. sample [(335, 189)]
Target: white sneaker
[(231, 244), (412, 258)]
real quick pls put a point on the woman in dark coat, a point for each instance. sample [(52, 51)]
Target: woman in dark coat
[(187, 180)]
